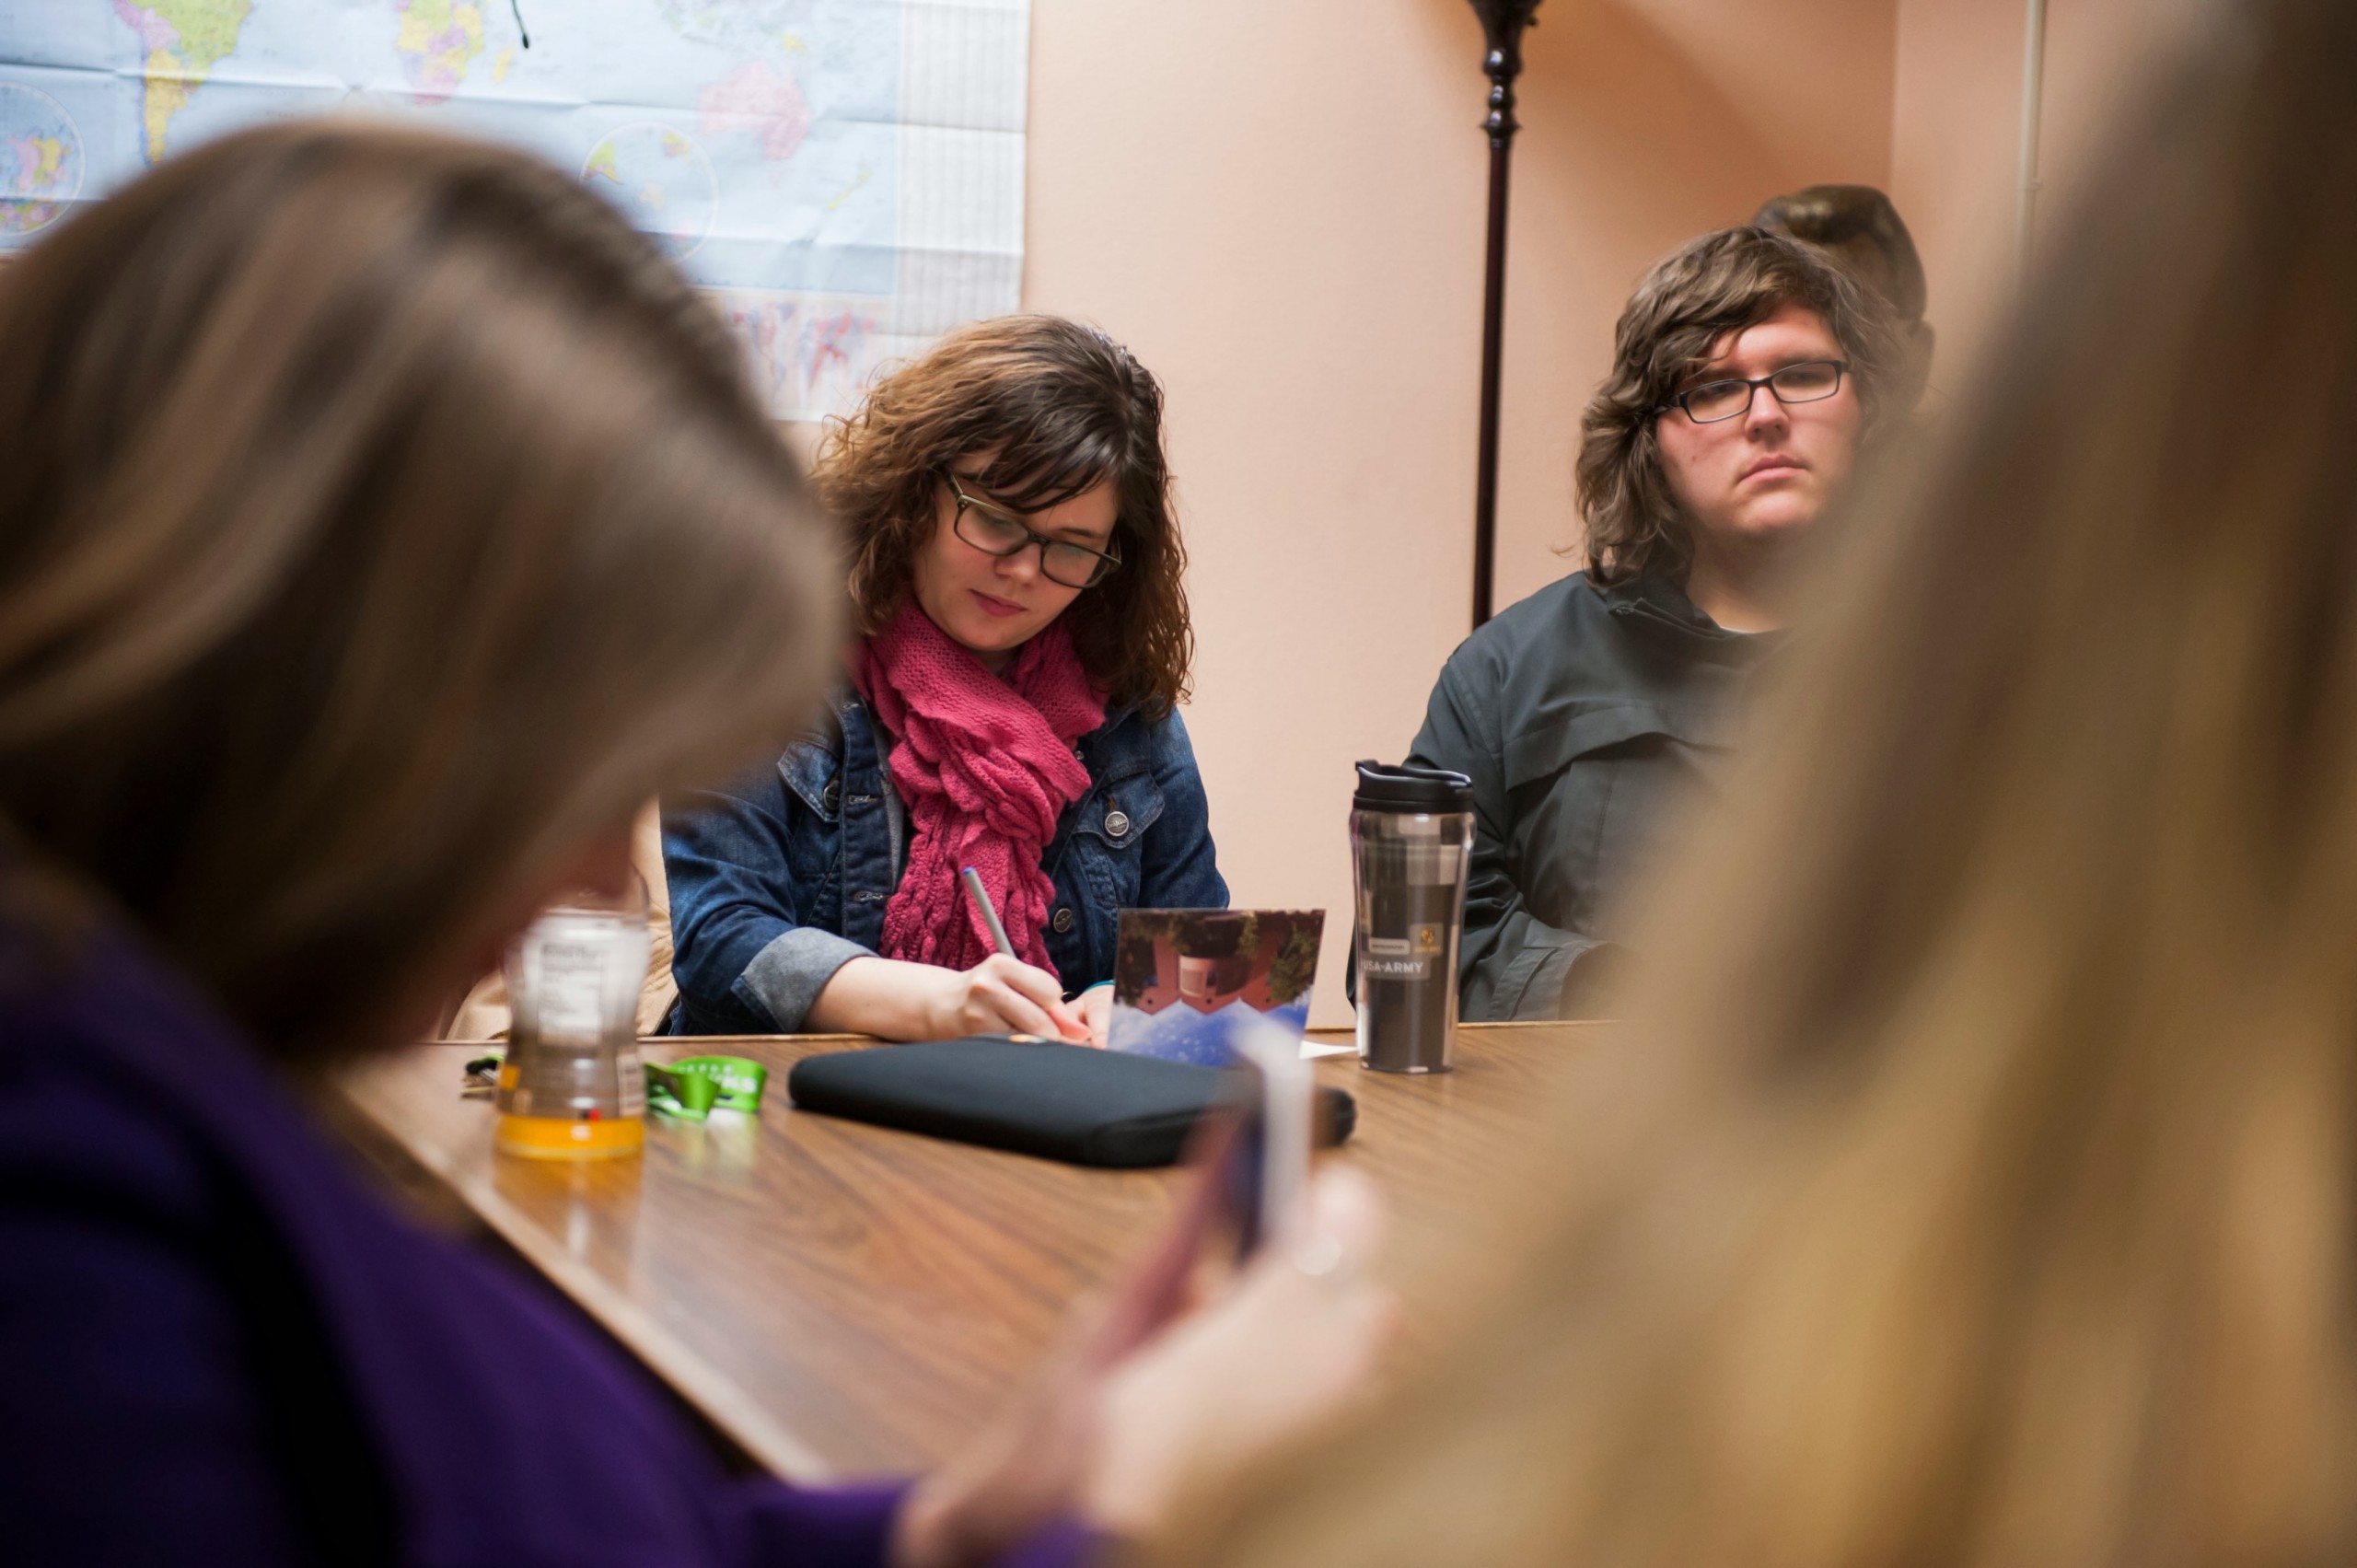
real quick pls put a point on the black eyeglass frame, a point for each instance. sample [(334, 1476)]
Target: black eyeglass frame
[(1106, 560), (1752, 385)]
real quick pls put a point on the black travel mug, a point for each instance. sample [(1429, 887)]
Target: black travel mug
[(1411, 832)]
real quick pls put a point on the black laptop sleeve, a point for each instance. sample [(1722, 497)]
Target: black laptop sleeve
[(1063, 1102)]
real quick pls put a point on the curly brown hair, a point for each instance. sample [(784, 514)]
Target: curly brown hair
[(1060, 408), (1694, 296)]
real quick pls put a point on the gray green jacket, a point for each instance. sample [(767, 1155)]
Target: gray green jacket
[(1580, 714)]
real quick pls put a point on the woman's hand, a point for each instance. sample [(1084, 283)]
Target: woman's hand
[(1002, 995), (902, 1001), (1147, 1399), (1293, 1346), (1094, 1006)]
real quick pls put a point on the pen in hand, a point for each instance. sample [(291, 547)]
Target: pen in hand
[(974, 890), (981, 898)]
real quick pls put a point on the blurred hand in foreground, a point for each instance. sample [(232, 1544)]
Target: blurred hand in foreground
[(1159, 1392)]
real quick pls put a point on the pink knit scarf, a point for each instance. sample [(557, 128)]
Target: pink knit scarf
[(986, 766)]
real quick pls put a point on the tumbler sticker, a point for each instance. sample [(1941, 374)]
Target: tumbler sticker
[(1396, 957), (1427, 938)]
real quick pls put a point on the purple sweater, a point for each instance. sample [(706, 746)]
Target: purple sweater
[(222, 1348)]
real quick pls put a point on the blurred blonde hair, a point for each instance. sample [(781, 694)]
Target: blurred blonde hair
[(1986, 1195), (382, 520)]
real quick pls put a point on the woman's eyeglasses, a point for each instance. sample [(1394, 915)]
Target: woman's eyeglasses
[(1808, 382), (1000, 533)]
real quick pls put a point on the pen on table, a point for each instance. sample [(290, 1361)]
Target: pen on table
[(974, 890)]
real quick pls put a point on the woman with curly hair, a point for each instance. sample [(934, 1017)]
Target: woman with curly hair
[(1010, 704)]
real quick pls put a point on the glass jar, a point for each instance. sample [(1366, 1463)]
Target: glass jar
[(572, 1086)]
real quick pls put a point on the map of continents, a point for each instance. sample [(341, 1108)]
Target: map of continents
[(844, 175), (183, 41), (41, 160)]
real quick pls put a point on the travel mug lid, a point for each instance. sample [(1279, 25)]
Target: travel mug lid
[(1408, 788)]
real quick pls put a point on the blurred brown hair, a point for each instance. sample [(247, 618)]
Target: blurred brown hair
[(1699, 294), (1860, 228), (384, 519), (1987, 1194), (1060, 408), (1857, 227)]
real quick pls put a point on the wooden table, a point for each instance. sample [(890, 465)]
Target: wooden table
[(843, 1299)]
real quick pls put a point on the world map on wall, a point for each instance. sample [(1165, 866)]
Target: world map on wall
[(844, 175), (41, 160)]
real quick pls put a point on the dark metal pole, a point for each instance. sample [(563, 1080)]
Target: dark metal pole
[(1502, 25)]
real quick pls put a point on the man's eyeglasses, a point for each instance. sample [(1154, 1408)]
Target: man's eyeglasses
[(996, 533), (1810, 381)]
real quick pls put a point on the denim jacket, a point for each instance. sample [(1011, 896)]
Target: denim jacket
[(781, 879)]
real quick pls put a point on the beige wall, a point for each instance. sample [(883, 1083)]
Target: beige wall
[(1956, 135), (1279, 207)]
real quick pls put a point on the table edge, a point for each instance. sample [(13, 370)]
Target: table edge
[(773, 1443), (1333, 1031)]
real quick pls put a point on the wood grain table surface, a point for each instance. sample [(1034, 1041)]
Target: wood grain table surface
[(841, 1299)]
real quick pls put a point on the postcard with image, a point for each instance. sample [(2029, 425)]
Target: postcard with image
[(1183, 978)]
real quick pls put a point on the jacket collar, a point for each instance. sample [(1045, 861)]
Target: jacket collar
[(1655, 601)]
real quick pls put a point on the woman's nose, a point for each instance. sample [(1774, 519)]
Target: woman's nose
[(1022, 566)]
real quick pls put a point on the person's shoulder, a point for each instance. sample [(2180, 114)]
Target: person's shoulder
[(1563, 613), (82, 1144), (1131, 736), (827, 731), (86, 1137), (111, 1251), (98, 1159), (120, 1070), (1568, 603)]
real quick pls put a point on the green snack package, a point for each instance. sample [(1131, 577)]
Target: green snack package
[(694, 1087)]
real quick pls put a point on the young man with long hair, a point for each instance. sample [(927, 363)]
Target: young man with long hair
[(1747, 371)]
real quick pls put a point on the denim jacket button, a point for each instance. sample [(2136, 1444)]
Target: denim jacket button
[(1117, 824), (832, 796), (1062, 922)]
